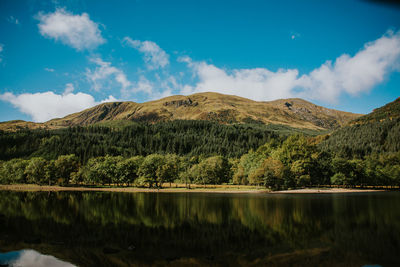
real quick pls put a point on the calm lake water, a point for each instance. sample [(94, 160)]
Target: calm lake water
[(105, 229)]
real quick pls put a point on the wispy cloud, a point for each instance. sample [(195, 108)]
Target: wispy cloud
[(49, 105), (1, 52), (77, 31), (49, 69), (347, 74), (294, 35), (105, 76), (69, 88), (154, 56), (143, 85), (100, 76), (13, 20)]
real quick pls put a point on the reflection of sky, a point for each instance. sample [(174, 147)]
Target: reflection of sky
[(31, 258)]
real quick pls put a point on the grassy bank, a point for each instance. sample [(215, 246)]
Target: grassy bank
[(179, 188)]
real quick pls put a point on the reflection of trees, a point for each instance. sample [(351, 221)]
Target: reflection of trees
[(200, 224)]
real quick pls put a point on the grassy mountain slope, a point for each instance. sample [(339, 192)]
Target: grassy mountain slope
[(377, 132), (225, 109), (15, 125)]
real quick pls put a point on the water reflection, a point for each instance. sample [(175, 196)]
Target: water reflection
[(183, 228), (32, 258)]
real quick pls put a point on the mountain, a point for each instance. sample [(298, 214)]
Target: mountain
[(375, 133), (225, 109)]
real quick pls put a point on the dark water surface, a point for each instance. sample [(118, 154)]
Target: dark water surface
[(106, 229)]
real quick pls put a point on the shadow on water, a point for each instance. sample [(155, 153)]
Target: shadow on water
[(103, 229)]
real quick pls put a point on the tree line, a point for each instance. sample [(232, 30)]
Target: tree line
[(153, 170), (296, 161)]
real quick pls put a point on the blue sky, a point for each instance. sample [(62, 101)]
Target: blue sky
[(59, 57)]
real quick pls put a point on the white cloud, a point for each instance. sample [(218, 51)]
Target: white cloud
[(258, 84), (351, 75), (109, 99), (154, 56), (77, 31), (48, 105), (100, 76), (354, 75)]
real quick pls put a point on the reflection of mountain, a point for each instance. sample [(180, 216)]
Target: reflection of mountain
[(144, 228)]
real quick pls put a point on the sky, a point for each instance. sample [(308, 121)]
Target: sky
[(60, 57)]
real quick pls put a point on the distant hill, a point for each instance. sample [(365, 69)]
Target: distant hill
[(224, 109), (390, 111), (377, 132)]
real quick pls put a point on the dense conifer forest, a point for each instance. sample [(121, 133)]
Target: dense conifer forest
[(191, 138)]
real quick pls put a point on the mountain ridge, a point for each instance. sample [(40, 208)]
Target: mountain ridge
[(374, 133), (389, 111), (225, 109)]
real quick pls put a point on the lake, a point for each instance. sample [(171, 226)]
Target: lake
[(105, 229)]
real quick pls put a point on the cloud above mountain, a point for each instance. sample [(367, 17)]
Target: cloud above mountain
[(77, 31), (153, 55), (104, 73), (49, 105), (347, 74)]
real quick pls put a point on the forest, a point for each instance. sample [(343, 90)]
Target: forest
[(201, 152), (191, 138)]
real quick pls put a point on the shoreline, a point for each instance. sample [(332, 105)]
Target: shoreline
[(195, 189)]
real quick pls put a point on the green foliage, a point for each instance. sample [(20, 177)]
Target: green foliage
[(13, 171), (169, 170), (51, 174), (339, 179), (299, 155), (35, 171), (213, 170), (151, 169), (64, 166), (127, 169), (269, 173), (248, 163), (192, 138), (102, 170)]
